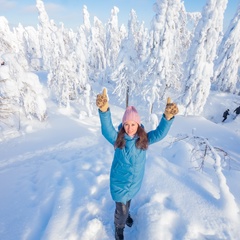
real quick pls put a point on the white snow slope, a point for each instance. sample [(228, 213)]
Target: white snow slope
[(54, 179)]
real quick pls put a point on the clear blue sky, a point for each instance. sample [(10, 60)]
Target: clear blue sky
[(70, 11)]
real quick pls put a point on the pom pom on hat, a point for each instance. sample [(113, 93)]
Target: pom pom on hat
[(131, 114)]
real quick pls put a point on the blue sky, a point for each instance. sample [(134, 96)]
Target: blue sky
[(70, 11)]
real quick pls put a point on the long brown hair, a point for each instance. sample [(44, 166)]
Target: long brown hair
[(141, 143)]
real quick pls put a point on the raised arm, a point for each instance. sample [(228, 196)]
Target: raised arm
[(163, 127), (107, 128)]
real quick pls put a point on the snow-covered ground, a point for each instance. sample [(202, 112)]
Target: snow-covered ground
[(54, 179)]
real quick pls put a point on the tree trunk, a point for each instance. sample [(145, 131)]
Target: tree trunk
[(127, 96)]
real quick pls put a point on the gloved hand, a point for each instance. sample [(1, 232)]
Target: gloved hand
[(171, 109), (101, 101)]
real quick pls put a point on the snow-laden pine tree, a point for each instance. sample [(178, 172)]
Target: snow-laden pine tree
[(21, 41), (33, 53), (22, 48), (86, 22), (143, 49), (8, 41), (125, 74), (61, 82), (81, 56), (168, 37), (75, 71), (55, 58), (8, 98), (68, 68), (68, 76), (21, 94), (201, 55), (46, 29), (226, 71), (96, 51), (113, 41), (60, 71)]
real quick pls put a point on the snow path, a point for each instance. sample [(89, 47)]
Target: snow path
[(59, 187)]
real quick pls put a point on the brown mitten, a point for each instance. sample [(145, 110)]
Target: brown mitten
[(101, 101), (171, 109)]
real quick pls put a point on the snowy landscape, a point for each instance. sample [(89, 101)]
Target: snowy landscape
[(54, 161), (54, 179)]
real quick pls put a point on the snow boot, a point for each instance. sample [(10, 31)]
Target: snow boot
[(129, 221), (119, 233)]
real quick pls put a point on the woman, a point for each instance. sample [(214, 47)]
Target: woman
[(130, 144)]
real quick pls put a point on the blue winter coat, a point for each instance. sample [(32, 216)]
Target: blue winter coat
[(128, 163)]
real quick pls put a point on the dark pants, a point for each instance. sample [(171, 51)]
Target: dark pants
[(224, 118), (121, 214)]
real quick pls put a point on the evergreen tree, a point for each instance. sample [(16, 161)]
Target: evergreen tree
[(199, 64), (8, 98), (21, 94), (125, 73), (46, 31), (113, 41), (8, 41), (68, 70), (167, 37), (226, 74), (22, 48), (33, 53), (59, 81), (81, 56), (96, 50)]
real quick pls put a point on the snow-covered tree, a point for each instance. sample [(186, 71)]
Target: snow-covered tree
[(22, 49), (21, 94), (113, 40), (96, 51), (69, 77), (32, 45), (15, 42), (46, 31), (60, 82), (86, 21), (8, 41), (199, 64), (168, 34), (81, 58), (61, 72), (30, 95), (87, 97), (143, 49), (125, 73), (226, 73), (81, 51), (8, 88)]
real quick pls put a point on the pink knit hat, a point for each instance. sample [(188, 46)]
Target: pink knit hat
[(131, 114)]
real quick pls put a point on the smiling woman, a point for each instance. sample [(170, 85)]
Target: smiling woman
[(128, 165)]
